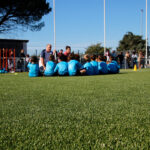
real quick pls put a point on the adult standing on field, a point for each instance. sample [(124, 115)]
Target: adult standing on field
[(128, 59), (141, 61), (45, 56), (22, 60), (120, 59)]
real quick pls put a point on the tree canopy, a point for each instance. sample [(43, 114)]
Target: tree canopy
[(95, 49), (22, 13), (131, 42)]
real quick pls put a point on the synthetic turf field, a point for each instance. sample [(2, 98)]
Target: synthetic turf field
[(93, 112)]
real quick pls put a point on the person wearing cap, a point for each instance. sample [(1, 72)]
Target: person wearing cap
[(60, 53)]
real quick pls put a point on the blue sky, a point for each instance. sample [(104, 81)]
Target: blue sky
[(79, 23)]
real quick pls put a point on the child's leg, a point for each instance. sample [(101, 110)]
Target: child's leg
[(78, 73), (40, 74)]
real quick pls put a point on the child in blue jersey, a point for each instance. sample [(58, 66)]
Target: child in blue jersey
[(94, 64), (77, 58), (116, 63), (33, 67), (73, 66), (50, 66), (62, 67), (87, 67), (102, 66), (113, 66)]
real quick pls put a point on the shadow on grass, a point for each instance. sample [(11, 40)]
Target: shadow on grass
[(56, 76)]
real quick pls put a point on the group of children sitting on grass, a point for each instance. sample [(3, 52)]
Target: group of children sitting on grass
[(71, 66)]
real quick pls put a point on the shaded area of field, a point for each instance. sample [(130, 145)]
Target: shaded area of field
[(94, 112)]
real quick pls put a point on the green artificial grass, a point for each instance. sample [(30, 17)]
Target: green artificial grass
[(75, 113)]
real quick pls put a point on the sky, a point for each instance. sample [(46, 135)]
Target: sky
[(80, 23)]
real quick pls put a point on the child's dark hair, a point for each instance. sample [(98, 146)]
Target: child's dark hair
[(34, 59), (100, 57), (68, 47), (51, 57), (77, 57), (111, 58), (134, 52), (104, 58), (93, 57), (71, 56), (62, 57), (87, 58)]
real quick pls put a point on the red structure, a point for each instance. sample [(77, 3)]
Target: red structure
[(6, 56)]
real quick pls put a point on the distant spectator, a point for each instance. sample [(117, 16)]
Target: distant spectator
[(107, 54), (22, 55), (128, 59), (11, 61), (113, 54), (22, 60), (134, 59), (68, 51), (120, 59), (141, 60), (27, 60)]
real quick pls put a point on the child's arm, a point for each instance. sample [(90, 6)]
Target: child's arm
[(80, 66), (83, 71), (28, 66), (56, 69)]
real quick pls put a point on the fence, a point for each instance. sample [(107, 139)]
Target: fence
[(129, 63), (17, 65), (20, 64)]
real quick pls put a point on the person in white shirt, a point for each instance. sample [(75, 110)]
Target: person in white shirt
[(134, 58)]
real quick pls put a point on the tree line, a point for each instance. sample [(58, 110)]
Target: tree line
[(129, 41)]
